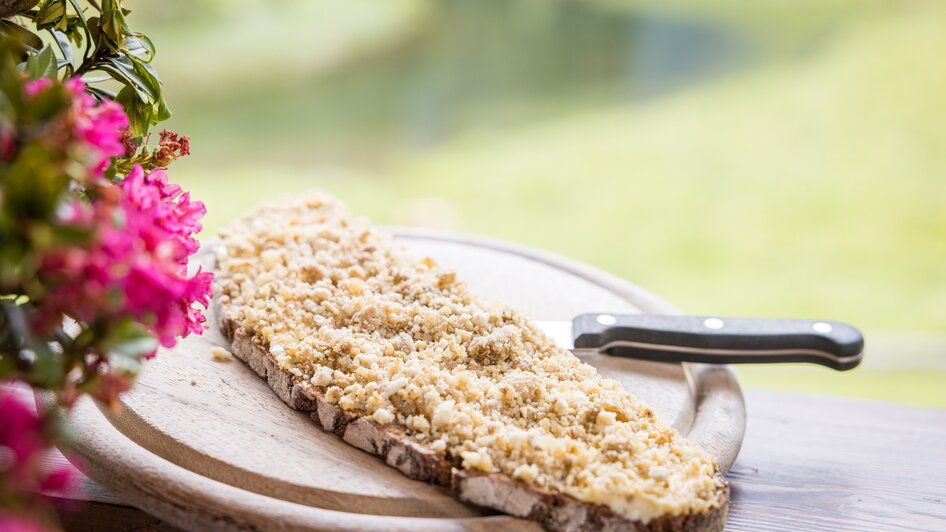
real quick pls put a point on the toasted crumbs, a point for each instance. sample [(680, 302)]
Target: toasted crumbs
[(380, 333), (220, 354), (193, 382)]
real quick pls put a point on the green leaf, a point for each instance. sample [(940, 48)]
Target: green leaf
[(49, 12), (128, 98), (21, 34), (127, 366), (57, 426), (129, 340), (113, 26), (48, 367), (135, 348), (34, 360), (33, 182), (100, 93), (13, 330), (70, 235), (148, 74), (142, 97), (75, 36), (140, 46), (140, 113), (62, 40), (94, 25), (122, 69), (42, 64), (85, 27), (164, 112)]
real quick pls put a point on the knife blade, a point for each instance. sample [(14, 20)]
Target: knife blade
[(710, 339)]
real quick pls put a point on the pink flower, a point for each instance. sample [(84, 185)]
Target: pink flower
[(13, 523), (24, 440), (136, 266), (172, 215), (21, 430), (164, 219), (7, 141), (98, 124), (37, 86)]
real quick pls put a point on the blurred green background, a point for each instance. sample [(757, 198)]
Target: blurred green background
[(771, 158)]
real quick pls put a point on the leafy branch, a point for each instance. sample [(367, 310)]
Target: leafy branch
[(108, 46)]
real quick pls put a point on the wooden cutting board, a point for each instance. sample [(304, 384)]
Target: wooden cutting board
[(202, 443)]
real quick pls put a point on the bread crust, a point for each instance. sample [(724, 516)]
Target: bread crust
[(553, 510)]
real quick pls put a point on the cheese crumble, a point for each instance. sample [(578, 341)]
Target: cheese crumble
[(382, 334)]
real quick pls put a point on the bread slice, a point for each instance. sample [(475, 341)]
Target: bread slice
[(399, 359)]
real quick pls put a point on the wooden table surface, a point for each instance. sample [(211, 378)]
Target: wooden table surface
[(808, 462)]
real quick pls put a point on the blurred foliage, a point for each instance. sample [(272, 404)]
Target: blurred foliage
[(493, 63), (918, 387), (810, 188), (259, 44), (787, 23)]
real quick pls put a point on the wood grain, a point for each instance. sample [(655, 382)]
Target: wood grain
[(203, 443), (823, 463)]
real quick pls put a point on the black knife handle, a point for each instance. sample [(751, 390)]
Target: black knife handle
[(719, 340)]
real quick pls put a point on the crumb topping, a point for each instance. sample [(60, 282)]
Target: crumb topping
[(382, 334), (219, 354)]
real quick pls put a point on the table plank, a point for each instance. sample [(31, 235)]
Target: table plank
[(96, 516), (808, 462), (824, 463)]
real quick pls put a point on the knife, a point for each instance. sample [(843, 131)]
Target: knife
[(711, 340)]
